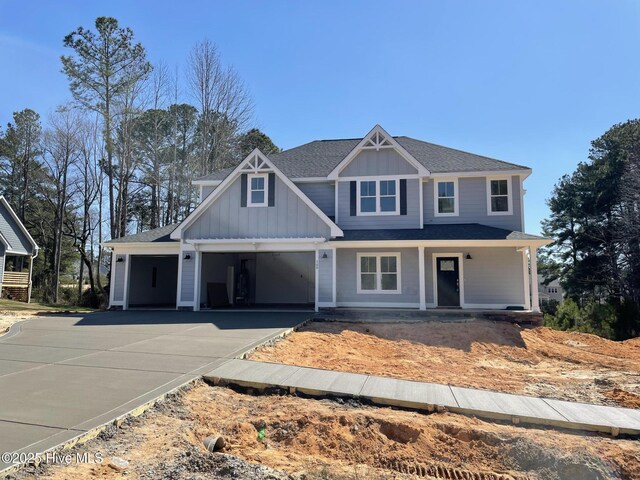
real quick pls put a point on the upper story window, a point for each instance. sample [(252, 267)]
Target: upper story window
[(257, 193), (499, 201), (446, 198), (378, 197)]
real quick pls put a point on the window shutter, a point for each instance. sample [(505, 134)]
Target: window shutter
[(243, 190), (354, 210), (403, 196), (272, 189)]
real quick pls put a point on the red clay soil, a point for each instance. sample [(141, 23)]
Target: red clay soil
[(324, 439), (480, 354)]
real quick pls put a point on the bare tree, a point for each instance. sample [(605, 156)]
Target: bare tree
[(224, 104)]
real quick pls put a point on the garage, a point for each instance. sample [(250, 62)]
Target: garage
[(153, 281), (257, 279)]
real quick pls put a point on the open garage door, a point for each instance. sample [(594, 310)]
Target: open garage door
[(153, 281), (257, 279)]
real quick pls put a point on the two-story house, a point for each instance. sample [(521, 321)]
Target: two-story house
[(378, 221)]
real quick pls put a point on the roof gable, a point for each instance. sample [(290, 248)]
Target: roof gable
[(377, 139), (255, 162), (14, 234)]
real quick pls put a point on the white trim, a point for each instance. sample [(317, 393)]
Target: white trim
[(421, 279), (177, 233), (197, 280), (437, 243), (20, 224), (525, 172), (111, 289), (378, 198), (336, 209), (460, 257), (525, 273), (334, 293), (407, 176), (127, 272), (421, 199), (265, 190), (317, 281), (179, 287), (377, 305), (215, 183), (535, 299), (509, 195), (145, 249), (378, 273), (522, 192), (456, 197), (362, 145), (259, 246)]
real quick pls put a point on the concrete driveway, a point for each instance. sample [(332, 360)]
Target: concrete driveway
[(61, 376)]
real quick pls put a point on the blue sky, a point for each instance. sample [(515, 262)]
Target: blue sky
[(531, 82)]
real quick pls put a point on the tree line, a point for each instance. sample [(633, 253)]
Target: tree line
[(119, 157), (595, 222)]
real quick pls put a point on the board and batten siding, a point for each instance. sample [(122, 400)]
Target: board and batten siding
[(372, 222), (472, 204), (290, 217), (188, 277), (493, 275), (382, 162), (323, 194), (206, 190), (347, 282), (119, 274), (325, 276), (12, 232)]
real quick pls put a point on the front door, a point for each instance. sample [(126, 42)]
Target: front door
[(448, 279)]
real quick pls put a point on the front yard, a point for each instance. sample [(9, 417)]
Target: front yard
[(480, 354), (12, 312)]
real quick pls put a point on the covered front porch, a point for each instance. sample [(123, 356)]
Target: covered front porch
[(15, 277)]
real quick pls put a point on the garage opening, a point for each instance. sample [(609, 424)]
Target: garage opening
[(264, 279), (153, 281)]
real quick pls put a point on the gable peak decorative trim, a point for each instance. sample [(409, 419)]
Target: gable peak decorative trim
[(256, 159), (377, 139)]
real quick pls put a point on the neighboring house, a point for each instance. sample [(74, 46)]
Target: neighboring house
[(378, 221), (17, 251), (550, 291)]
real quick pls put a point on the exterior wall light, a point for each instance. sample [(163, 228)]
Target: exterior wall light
[(119, 259), (324, 255), (187, 257), (469, 257)]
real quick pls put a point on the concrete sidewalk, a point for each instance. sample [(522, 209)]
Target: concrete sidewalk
[(429, 396), (61, 377)]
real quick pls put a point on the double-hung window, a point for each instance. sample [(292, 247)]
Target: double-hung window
[(499, 200), (257, 192), (378, 197), (378, 273), (446, 198)]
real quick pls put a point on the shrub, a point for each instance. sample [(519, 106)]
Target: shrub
[(599, 319), (549, 307), (567, 316), (628, 324)]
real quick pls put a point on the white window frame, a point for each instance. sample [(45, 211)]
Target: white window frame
[(509, 196), (378, 255), (378, 196), (456, 196), (251, 176)]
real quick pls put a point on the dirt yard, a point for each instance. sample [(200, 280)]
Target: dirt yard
[(323, 439), (482, 354)]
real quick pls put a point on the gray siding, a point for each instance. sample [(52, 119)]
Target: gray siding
[(347, 271), (473, 204), (1, 262), (188, 277), (206, 190), (368, 222), (289, 218), (13, 233), (118, 275), (325, 276), (493, 276), (381, 162), (322, 194)]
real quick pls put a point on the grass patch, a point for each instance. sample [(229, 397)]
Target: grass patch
[(13, 306)]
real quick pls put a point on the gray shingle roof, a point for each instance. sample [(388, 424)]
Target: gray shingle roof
[(460, 231), (157, 235), (320, 157)]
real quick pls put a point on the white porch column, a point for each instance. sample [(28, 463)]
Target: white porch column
[(317, 283), (197, 276), (421, 279), (535, 301), (525, 274)]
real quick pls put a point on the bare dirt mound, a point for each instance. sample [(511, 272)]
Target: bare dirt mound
[(285, 437), (481, 354)]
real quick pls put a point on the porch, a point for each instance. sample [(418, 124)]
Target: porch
[(15, 280)]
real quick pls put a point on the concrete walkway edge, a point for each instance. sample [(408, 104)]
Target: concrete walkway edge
[(429, 396)]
